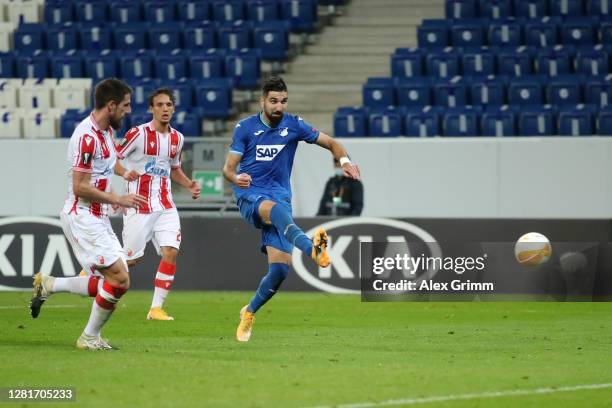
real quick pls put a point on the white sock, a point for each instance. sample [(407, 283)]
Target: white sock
[(163, 283), (77, 285), (103, 307), (98, 317)]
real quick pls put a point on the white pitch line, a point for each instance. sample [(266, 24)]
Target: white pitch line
[(491, 394), (46, 307)]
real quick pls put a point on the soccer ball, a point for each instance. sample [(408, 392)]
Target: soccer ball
[(532, 249)]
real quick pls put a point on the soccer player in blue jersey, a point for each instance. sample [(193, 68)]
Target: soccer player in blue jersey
[(264, 146)]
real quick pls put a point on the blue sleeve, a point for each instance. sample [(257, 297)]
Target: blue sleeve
[(306, 132), (239, 141)]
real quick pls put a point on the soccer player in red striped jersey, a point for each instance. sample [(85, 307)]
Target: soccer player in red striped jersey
[(154, 150), (91, 160)]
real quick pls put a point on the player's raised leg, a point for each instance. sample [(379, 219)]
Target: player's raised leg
[(45, 286), (163, 283), (280, 217)]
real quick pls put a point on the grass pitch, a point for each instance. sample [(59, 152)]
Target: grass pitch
[(312, 349)]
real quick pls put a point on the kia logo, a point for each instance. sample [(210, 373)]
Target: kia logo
[(29, 245), (345, 236)]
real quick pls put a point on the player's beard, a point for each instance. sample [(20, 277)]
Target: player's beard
[(116, 123), (275, 117)]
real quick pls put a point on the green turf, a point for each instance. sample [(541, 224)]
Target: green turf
[(311, 349)]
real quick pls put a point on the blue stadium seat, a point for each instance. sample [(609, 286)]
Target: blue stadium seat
[(301, 14), (526, 91), (565, 90), (451, 93), (131, 36), (29, 37), (579, 31), (468, 33), (92, 11), (577, 121), (194, 10), (139, 117), (234, 35), (165, 37), (406, 63), (7, 64), (554, 61), (350, 122), (489, 91), (478, 61), (243, 66), (460, 8), (70, 119), (499, 121), (67, 65), (604, 121), (592, 61), (460, 122), (379, 92), (58, 12), (171, 65), (95, 37), (542, 32), (566, 8), (515, 62), (62, 37), (143, 88), (443, 64), (101, 64), (601, 8), (263, 10), (35, 65), (201, 35), (136, 64), (434, 34), (272, 39), (496, 9), (414, 91), (386, 122), (423, 122), (214, 96), (505, 33), (531, 8), (188, 123), (537, 121), (207, 64), (183, 92), (125, 11), (228, 10), (160, 12), (598, 91), (606, 32)]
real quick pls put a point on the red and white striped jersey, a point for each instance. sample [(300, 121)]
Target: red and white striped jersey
[(91, 150), (153, 155)]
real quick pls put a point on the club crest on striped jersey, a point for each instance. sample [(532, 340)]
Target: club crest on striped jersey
[(267, 152)]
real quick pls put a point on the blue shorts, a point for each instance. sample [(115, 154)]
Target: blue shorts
[(270, 236)]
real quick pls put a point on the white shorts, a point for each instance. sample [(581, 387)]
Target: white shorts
[(93, 240), (161, 227)]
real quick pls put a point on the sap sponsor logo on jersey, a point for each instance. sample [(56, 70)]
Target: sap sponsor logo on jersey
[(345, 236), (29, 245), (267, 152), (151, 168)]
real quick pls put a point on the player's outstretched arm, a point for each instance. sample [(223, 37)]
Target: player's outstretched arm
[(82, 187), (339, 152), (178, 176), (229, 171)]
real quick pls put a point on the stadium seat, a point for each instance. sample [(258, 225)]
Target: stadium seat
[(29, 37), (537, 121), (19, 12), (496, 9), (92, 11), (542, 32), (6, 36), (125, 12), (8, 93), (566, 8), (460, 122), (228, 10), (142, 89), (423, 122), (262, 10), (598, 91), (601, 8), (136, 64), (450, 93), (272, 39), (131, 36), (70, 119), (414, 91), (554, 61), (165, 37), (604, 121), (443, 64), (387, 122), (36, 94), (101, 65), (301, 14), (67, 65), (592, 61), (207, 64), (188, 123), (498, 121), (406, 63), (194, 10), (468, 33), (526, 91), (160, 12), (214, 96), (576, 121), (460, 8), (95, 37), (478, 61), (7, 65), (606, 32), (243, 66), (579, 31), (200, 35), (33, 66), (10, 124), (433, 34), (515, 62), (62, 37), (58, 12), (40, 124), (379, 92), (531, 8), (234, 35), (72, 93), (350, 122), (504, 33), (489, 91), (564, 90), (183, 93), (171, 65)]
